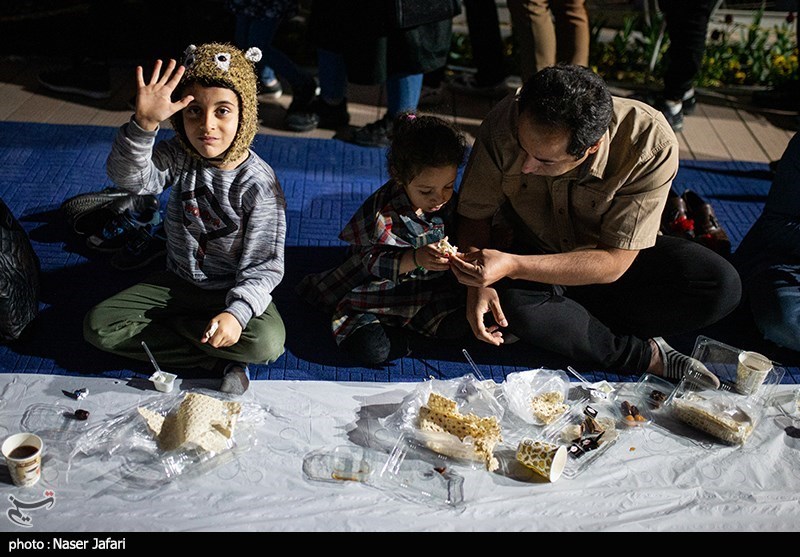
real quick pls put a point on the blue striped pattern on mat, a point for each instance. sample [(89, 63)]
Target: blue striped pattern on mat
[(325, 181)]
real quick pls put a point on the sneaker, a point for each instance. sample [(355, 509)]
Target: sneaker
[(89, 79), (82, 208), (678, 366), (271, 89), (673, 114), (235, 379), (116, 232), (144, 246), (375, 134), (467, 84)]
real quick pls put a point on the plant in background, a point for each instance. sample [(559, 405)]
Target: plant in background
[(739, 54), (736, 54)]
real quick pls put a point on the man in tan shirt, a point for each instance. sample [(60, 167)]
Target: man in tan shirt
[(580, 179)]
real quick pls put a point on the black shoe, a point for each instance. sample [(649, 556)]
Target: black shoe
[(144, 246), (84, 214), (375, 134), (331, 116), (300, 116), (89, 79)]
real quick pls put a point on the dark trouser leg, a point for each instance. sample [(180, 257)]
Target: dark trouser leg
[(687, 25), (487, 43), (676, 286), (170, 315)]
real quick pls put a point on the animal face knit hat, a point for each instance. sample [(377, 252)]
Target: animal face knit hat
[(223, 65)]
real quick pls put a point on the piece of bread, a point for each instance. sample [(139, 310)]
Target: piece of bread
[(441, 415), (548, 406), (446, 247)]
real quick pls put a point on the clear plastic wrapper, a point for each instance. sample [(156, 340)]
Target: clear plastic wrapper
[(167, 437), (727, 418), (655, 391), (400, 473), (723, 360), (459, 419), (588, 430), (723, 413), (537, 396)]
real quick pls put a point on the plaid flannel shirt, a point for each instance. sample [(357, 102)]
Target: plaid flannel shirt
[(368, 287)]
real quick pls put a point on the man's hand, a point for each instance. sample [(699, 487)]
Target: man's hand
[(222, 331), (481, 301), (483, 267), (154, 100)]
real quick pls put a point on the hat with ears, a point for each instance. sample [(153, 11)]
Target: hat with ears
[(223, 65)]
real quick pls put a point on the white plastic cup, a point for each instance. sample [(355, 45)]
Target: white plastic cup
[(751, 371), (23, 454)]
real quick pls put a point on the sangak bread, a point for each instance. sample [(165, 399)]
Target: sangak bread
[(441, 415), (548, 406), (724, 426)]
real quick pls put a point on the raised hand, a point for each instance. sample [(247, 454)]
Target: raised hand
[(154, 99)]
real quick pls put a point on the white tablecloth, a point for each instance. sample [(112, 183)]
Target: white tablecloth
[(651, 479)]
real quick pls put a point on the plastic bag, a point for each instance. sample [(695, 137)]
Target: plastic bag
[(19, 277), (520, 388), (474, 400), (130, 452)]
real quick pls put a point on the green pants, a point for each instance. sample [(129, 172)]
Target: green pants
[(170, 315)]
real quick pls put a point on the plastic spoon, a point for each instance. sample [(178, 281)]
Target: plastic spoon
[(595, 390)]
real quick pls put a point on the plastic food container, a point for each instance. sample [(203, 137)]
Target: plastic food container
[(633, 411), (655, 391), (163, 381), (588, 430)]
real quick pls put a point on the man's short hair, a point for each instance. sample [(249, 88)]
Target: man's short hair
[(572, 98)]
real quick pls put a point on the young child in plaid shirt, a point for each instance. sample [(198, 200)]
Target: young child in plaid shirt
[(395, 278)]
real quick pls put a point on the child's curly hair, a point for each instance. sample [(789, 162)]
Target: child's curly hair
[(420, 142)]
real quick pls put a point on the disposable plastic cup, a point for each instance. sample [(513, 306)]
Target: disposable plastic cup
[(23, 454), (751, 371)]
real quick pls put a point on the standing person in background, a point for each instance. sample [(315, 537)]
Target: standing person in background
[(550, 31), (687, 27), (257, 22), (488, 52), (375, 50)]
